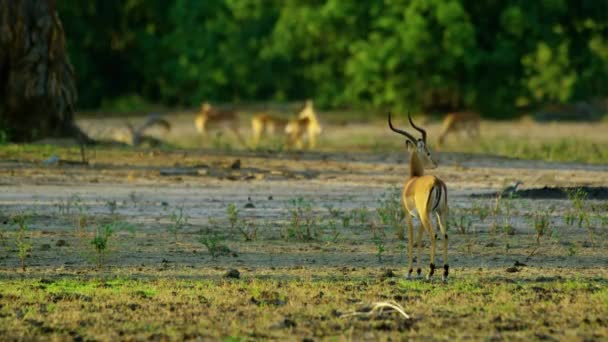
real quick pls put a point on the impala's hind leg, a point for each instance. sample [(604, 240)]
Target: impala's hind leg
[(446, 268), (410, 244), (426, 223), (419, 249)]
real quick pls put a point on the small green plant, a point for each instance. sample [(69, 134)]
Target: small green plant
[(380, 247), (249, 229), (361, 215), (346, 221), (233, 215), (178, 221), (391, 211), (481, 210), (572, 249), (462, 223), (333, 228), (302, 220), (579, 212), (215, 244), (112, 206), (334, 213), (100, 242), (541, 223), (23, 247)]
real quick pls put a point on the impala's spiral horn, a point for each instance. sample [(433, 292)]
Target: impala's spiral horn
[(402, 132), (419, 129)]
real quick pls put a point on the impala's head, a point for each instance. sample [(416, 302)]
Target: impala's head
[(420, 146), (205, 107)]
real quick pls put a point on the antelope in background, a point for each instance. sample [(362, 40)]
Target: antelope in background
[(294, 129), (265, 124), (422, 196), (137, 135), (209, 117), (311, 125), (459, 122)]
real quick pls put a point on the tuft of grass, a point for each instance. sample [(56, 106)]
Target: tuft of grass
[(214, 243), (391, 211), (541, 222), (178, 221), (23, 247), (579, 212), (100, 242), (302, 221), (248, 229), (233, 215), (481, 210)]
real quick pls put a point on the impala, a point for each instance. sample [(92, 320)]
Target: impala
[(265, 124), (312, 126), (137, 135), (422, 196), (306, 123), (224, 119), (460, 121)]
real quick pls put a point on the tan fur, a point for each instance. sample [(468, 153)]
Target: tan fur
[(209, 117), (295, 130), (313, 127), (264, 124), (460, 121)]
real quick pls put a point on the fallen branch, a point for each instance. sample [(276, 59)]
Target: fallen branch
[(378, 308)]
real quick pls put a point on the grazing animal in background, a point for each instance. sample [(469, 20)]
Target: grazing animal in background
[(209, 117), (138, 135), (459, 122), (295, 130), (305, 125), (422, 196), (265, 124), (312, 125)]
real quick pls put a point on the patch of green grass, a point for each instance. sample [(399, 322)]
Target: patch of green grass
[(290, 305)]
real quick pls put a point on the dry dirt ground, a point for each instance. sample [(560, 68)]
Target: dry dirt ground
[(278, 196)]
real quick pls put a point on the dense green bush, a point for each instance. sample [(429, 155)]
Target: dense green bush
[(420, 54)]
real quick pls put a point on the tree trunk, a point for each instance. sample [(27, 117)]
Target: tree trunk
[(37, 91)]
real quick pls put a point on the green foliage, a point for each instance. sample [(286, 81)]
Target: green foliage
[(215, 244), (233, 215), (178, 221), (100, 242), (541, 221), (23, 247), (391, 211), (421, 54), (302, 223)]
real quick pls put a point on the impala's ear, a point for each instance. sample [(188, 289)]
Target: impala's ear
[(409, 145)]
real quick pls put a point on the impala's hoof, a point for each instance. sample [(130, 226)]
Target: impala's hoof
[(409, 274), (444, 278)]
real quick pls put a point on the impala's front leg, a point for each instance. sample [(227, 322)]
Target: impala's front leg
[(410, 244)]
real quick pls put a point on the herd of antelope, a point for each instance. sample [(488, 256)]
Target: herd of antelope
[(422, 196), (304, 126)]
